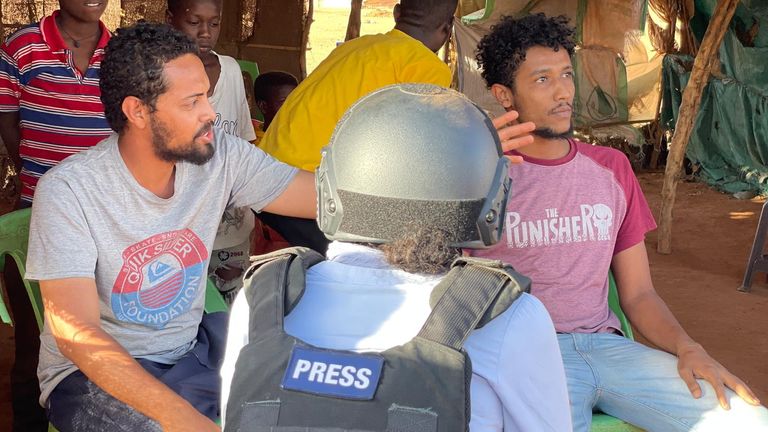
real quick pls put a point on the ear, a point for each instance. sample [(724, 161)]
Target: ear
[(504, 96), (136, 112), (396, 12), (168, 17)]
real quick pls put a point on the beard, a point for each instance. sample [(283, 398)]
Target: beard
[(548, 133), (187, 153)]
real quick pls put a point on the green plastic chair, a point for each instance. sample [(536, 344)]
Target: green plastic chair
[(248, 66), (14, 236), (603, 422)]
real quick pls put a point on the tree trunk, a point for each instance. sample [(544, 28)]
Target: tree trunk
[(689, 108), (353, 26)]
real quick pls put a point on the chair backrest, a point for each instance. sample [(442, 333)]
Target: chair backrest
[(14, 239), (613, 303), (251, 67)]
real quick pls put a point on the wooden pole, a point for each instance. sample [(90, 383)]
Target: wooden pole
[(309, 12), (689, 108), (355, 19)]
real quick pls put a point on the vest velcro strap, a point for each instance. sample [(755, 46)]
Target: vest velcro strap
[(259, 415), (469, 292), (263, 416), (274, 284), (406, 419)]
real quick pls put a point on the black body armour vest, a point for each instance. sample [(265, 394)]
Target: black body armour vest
[(282, 384)]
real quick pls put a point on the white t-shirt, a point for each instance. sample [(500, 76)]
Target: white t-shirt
[(518, 380), (233, 117), (228, 100)]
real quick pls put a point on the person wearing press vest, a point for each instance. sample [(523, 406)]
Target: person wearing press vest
[(396, 330)]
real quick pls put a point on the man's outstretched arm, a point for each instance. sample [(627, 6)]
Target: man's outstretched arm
[(72, 313), (652, 318)]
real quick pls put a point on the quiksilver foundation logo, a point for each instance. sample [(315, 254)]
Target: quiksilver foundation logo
[(160, 278)]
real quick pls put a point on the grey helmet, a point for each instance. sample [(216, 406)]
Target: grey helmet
[(413, 155)]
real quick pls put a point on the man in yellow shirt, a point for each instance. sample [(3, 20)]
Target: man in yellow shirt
[(304, 124)]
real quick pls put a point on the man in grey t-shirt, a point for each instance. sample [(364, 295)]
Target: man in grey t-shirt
[(121, 238)]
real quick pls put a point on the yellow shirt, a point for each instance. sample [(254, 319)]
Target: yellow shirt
[(305, 122)]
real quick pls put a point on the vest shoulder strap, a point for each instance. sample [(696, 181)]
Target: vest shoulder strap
[(472, 293), (274, 284)]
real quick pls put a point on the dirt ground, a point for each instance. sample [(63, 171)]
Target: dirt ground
[(712, 237)]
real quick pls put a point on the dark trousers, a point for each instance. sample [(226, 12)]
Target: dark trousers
[(79, 405), (297, 231)]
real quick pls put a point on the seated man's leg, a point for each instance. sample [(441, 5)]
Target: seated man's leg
[(641, 385), (581, 379), (77, 404)]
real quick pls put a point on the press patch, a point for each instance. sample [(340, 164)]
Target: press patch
[(339, 374)]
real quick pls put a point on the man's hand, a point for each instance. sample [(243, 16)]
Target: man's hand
[(513, 136), (693, 362)]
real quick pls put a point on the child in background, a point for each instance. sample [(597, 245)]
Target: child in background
[(270, 90), (201, 21)]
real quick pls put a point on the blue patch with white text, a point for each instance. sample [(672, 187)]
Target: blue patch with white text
[(340, 374)]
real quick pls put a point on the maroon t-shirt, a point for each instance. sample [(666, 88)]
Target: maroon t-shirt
[(565, 220)]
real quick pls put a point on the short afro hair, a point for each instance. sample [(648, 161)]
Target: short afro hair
[(427, 14), (133, 66), (500, 52), (267, 81)]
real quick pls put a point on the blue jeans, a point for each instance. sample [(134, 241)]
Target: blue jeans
[(610, 373), (77, 404)]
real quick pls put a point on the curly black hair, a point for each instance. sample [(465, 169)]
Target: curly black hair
[(500, 52), (133, 66)]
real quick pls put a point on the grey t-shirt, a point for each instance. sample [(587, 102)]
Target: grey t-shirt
[(148, 255)]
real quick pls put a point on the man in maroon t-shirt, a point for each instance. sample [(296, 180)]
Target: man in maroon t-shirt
[(576, 212)]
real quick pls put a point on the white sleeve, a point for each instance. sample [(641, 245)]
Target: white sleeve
[(237, 338), (246, 125), (487, 414), (518, 355)]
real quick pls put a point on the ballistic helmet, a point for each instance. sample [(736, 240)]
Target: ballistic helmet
[(413, 155)]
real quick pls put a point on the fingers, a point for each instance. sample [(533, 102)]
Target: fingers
[(717, 384), (513, 136), (693, 386), (515, 159), (515, 143), (519, 130), (741, 389), (501, 121)]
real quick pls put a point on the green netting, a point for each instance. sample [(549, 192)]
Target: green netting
[(730, 138)]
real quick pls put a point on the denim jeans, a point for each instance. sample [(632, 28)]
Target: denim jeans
[(79, 405), (610, 373)]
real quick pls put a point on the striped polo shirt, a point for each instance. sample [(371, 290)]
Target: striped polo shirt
[(59, 107)]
